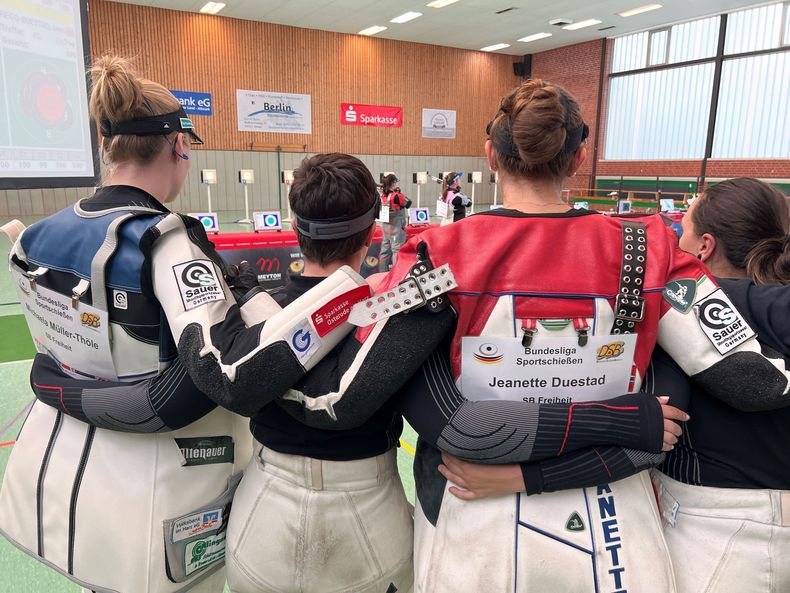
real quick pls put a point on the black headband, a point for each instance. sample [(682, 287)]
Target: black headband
[(339, 227), (152, 125)]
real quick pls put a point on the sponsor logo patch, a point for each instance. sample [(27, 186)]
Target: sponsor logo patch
[(120, 300), (610, 351), (680, 294), (303, 340), (206, 450), (197, 523), (574, 523), (723, 325), (197, 283), (202, 553)]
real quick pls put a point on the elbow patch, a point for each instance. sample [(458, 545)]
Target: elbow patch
[(747, 381)]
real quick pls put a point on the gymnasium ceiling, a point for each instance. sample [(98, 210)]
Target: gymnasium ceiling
[(467, 24)]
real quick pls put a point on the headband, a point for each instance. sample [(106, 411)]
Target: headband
[(339, 227), (152, 125)]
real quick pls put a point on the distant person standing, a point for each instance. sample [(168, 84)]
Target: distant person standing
[(394, 203), (451, 194)]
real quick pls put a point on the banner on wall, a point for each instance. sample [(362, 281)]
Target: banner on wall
[(438, 123), (194, 103), (354, 114), (261, 111)]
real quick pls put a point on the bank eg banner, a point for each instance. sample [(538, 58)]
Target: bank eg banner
[(261, 111), (194, 103), (355, 114)]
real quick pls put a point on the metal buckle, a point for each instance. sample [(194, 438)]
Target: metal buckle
[(413, 292), (632, 305)]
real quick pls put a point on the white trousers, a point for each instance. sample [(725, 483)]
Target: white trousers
[(594, 540), (726, 540), (302, 525)]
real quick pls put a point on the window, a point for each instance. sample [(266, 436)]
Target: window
[(657, 52), (661, 114), (751, 121), (754, 29)]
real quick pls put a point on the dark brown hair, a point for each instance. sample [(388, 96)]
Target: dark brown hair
[(388, 183), (119, 94), (327, 186), (445, 187), (530, 130), (751, 220)]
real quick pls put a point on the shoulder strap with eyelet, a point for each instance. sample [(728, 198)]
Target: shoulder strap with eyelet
[(629, 305)]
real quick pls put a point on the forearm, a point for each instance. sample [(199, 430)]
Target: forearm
[(348, 386), (513, 431), (586, 468), (168, 401)]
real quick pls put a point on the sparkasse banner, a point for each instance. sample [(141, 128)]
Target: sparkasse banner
[(355, 114)]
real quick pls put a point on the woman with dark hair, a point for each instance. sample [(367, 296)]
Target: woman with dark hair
[(549, 303), (725, 488), (394, 203), (452, 196)]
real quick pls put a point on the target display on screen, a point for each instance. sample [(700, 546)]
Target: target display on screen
[(419, 216), (208, 220), (46, 139), (267, 221)]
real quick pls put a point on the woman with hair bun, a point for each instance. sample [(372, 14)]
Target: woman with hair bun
[(123, 473), (548, 300), (725, 488)]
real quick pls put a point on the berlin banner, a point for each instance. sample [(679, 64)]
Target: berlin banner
[(354, 114), (260, 111)]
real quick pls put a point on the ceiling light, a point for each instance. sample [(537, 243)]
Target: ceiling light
[(495, 47), (372, 30), (535, 37), (639, 10), (582, 24), (406, 17), (440, 3), (212, 7)]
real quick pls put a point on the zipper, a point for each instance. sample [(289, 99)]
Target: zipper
[(75, 490), (42, 472)]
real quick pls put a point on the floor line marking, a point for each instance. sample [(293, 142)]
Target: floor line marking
[(408, 447)]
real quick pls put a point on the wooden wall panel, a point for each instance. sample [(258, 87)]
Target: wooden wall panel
[(203, 53)]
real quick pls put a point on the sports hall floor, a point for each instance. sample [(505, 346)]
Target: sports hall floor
[(18, 572)]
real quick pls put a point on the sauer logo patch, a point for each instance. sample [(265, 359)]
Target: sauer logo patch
[(680, 294), (721, 322), (197, 283)]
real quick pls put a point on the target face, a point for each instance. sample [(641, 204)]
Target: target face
[(420, 216), (267, 221), (207, 219)]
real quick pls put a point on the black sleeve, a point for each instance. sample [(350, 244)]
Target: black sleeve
[(586, 468), (665, 377), (766, 308), (405, 202), (458, 201), (346, 388), (168, 401), (512, 431)]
